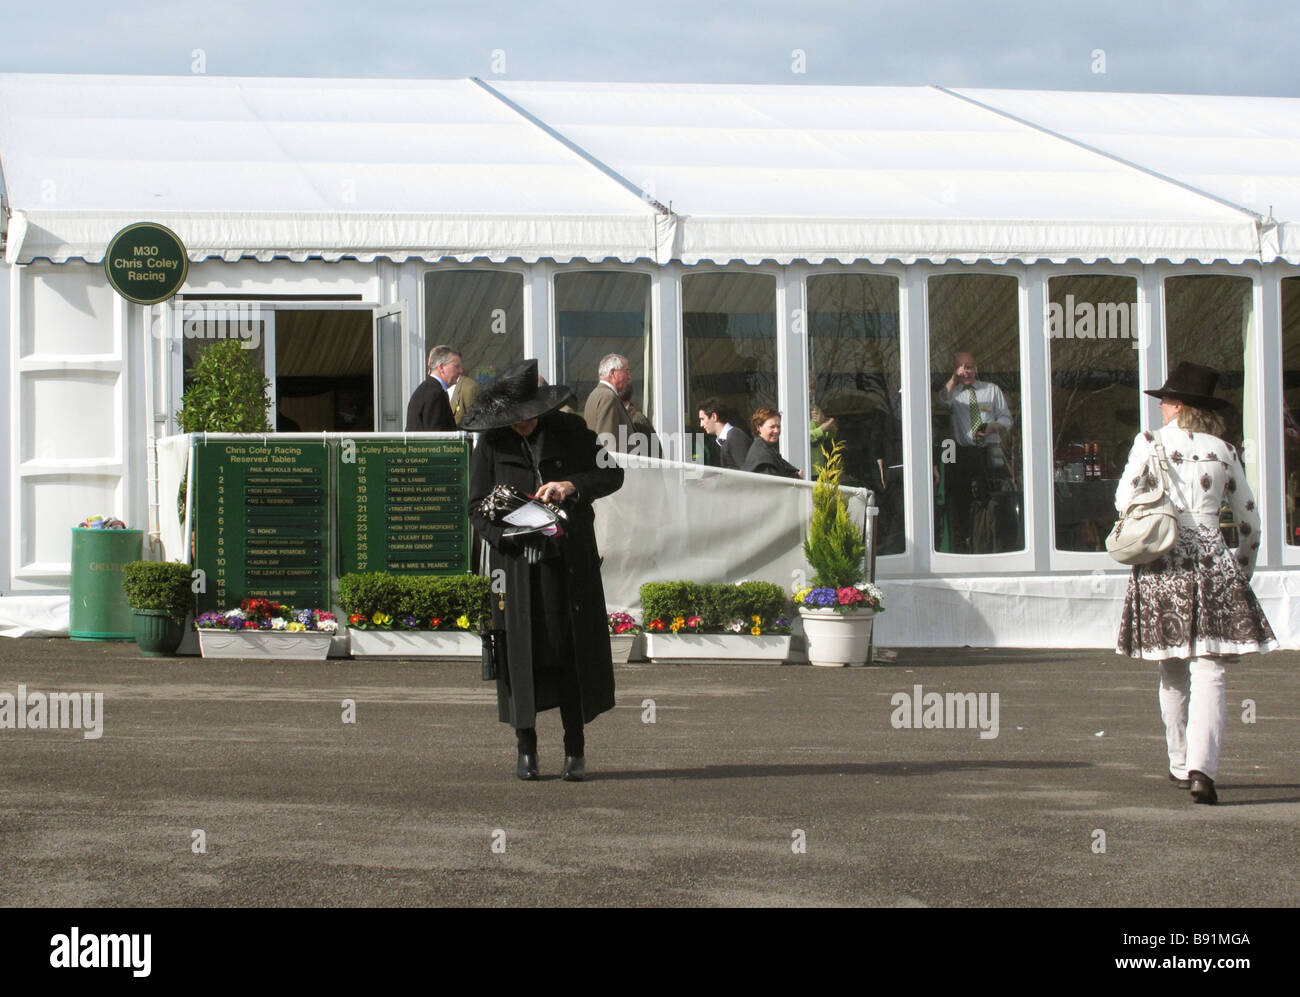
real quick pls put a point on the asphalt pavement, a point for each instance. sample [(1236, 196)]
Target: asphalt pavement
[(243, 783)]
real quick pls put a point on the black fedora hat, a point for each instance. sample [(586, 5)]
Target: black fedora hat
[(1192, 384), (515, 396)]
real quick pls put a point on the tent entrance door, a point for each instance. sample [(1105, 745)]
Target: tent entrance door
[(324, 375)]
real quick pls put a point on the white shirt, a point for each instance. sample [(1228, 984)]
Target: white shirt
[(992, 405)]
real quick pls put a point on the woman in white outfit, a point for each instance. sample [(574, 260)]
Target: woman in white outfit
[(1193, 607)]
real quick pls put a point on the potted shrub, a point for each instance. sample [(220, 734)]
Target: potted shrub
[(228, 393), (623, 632), (261, 628), (838, 608), (160, 598), (414, 616), (688, 621)]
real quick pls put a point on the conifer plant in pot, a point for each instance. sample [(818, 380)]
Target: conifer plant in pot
[(838, 608), (160, 598)]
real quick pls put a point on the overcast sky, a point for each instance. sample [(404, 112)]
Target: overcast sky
[(1192, 46)]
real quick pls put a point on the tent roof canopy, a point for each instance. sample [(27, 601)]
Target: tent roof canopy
[(466, 169)]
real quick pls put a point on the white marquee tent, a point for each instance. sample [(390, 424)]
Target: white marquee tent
[(358, 189)]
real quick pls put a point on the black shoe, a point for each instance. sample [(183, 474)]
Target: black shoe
[(527, 767), (1180, 783), (575, 768), (1202, 788)]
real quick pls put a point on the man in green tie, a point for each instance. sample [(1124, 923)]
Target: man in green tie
[(981, 422)]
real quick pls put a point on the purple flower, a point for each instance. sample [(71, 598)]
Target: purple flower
[(820, 597)]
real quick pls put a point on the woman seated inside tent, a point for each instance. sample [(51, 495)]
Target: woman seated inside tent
[(764, 457)]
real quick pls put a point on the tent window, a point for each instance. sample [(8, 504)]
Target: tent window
[(480, 313), (1291, 396), (979, 489), (203, 325), (1093, 338), (597, 314), (729, 328), (853, 382), (1207, 321)]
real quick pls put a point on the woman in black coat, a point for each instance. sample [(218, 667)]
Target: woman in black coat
[(553, 605), (764, 457)]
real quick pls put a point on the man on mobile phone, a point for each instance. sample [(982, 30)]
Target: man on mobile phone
[(981, 422)]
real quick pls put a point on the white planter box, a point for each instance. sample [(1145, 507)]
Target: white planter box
[(311, 645), (680, 649), (837, 639), (450, 644)]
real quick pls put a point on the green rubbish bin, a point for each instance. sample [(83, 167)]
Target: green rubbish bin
[(99, 610)]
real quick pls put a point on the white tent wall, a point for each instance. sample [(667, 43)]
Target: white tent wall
[(103, 359), (70, 410), (7, 276)]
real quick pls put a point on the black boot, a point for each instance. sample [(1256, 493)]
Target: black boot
[(526, 767), (575, 768)]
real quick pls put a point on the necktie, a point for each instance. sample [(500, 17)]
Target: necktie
[(976, 418)]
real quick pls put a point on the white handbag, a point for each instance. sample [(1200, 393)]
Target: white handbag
[(1149, 526)]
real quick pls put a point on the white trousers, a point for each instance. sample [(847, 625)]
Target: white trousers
[(1193, 705)]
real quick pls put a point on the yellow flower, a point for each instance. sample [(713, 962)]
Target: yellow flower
[(757, 620), (462, 622), (678, 623), (757, 631), (382, 618), (296, 626)]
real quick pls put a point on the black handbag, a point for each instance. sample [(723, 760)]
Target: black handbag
[(494, 654)]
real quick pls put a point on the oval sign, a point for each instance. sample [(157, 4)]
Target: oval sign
[(146, 263)]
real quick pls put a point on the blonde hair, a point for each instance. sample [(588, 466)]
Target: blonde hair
[(1200, 420)]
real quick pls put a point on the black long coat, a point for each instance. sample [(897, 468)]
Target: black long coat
[(554, 613)]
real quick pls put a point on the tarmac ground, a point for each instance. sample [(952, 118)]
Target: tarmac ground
[(245, 783)]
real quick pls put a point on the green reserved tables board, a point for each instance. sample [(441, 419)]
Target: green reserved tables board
[(262, 522), (402, 506)]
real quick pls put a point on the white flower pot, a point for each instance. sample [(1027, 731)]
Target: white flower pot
[(620, 647), (450, 644), (681, 649), (309, 645), (837, 639)]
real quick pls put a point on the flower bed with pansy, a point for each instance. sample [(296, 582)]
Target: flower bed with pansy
[(863, 595), (382, 621), (622, 624), (265, 614)]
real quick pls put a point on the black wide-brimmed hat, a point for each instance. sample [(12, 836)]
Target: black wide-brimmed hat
[(515, 396), (1192, 384)]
